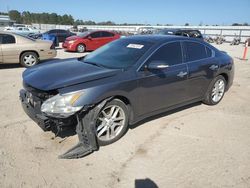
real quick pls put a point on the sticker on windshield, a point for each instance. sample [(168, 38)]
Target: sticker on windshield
[(136, 46)]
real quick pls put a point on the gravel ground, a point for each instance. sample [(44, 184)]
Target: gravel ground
[(196, 146)]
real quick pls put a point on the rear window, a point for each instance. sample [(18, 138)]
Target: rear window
[(25, 36), (195, 51), (7, 39), (195, 34)]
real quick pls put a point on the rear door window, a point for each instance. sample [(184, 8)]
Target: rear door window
[(106, 34), (96, 35), (60, 31), (195, 51), (170, 53), (8, 39), (53, 31)]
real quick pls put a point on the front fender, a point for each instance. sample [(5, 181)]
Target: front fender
[(94, 95)]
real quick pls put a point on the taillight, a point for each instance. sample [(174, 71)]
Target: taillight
[(52, 47)]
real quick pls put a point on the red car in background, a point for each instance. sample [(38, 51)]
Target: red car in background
[(89, 41)]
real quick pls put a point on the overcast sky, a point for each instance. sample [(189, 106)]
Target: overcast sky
[(223, 12)]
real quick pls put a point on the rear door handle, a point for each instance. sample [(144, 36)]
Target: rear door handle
[(214, 67), (182, 74)]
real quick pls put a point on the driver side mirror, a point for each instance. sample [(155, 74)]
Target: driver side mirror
[(89, 37), (157, 65)]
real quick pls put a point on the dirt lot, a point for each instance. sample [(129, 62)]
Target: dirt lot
[(198, 146)]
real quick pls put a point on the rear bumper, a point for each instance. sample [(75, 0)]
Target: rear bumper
[(48, 54), (32, 106)]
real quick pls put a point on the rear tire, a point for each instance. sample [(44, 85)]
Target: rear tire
[(215, 91), (29, 59)]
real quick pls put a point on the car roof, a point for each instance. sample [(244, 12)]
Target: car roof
[(181, 29), (97, 30), (160, 38)]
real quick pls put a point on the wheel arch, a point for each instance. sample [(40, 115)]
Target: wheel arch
[(225, 76), (127, 102)]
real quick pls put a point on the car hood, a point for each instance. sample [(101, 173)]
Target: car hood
[(73, 38), (62, 73)]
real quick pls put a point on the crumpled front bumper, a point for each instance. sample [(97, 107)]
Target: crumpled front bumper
[(32, 108), (84, 129)]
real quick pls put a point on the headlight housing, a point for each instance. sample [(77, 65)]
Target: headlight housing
[(71, 41), (62, 105)]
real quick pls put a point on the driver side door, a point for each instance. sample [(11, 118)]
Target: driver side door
[(164, 87)]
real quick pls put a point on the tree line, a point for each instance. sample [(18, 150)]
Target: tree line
[(27, 17)]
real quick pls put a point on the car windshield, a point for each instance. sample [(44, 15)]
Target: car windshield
[(119, 54), (84, 34)]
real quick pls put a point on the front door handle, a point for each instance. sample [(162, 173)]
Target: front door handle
[(214, 67), (182, 74)]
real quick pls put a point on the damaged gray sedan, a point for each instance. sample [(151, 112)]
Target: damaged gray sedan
[(121, 83)]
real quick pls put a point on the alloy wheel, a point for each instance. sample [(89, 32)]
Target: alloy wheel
[(110, 123), (218, 90), (80, 48)]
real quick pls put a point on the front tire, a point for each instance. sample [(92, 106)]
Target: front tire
[(111, 122), (29, 59), (80, 48), (215, 91)]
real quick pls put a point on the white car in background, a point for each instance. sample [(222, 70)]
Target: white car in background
[(22, 30)]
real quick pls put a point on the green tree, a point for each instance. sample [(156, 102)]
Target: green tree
[(15, 15), (53, 18), (26, 17)]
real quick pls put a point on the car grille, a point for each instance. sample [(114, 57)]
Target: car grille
[(41, 95)]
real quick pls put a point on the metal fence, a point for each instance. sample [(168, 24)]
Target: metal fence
[(229, 32)]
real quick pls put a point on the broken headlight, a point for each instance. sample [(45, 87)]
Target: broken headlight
[(62, 105)]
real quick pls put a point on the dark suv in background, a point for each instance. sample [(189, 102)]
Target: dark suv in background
[(181, 32), (60, 34)]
